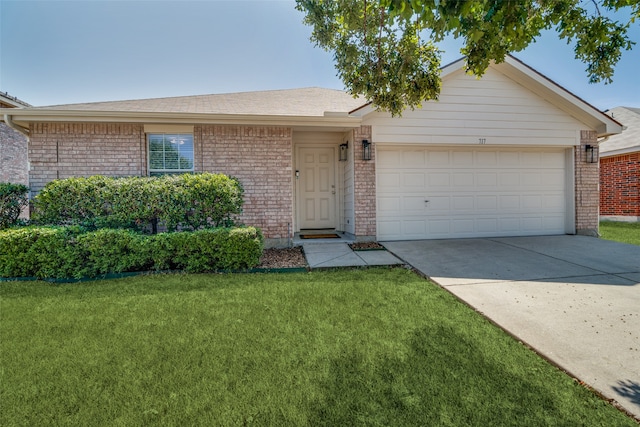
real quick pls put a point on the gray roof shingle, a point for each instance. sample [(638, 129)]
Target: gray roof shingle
[(290, 102), (630, 136)]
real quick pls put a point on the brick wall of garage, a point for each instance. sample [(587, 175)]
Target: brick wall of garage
[(586, 187), (620, 185)]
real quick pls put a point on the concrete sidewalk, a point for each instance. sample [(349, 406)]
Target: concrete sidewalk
[(328, 255), (574, 299)]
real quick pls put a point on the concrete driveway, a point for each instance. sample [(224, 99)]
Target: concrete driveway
[(574, 299)]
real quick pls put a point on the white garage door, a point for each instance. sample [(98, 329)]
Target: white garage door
[(469, 192)]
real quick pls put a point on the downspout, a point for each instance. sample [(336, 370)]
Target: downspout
[(9, 121)]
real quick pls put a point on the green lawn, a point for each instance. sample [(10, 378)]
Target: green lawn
[(337, 348), (624, 232)]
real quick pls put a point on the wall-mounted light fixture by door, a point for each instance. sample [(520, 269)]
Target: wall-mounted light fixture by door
[(344, 150)]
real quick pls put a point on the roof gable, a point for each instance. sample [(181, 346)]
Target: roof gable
[(543, 87), (559, 96)]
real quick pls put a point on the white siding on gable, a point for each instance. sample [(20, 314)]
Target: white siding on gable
[(493, 110)]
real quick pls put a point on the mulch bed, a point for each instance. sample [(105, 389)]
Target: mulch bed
[(366, 246)]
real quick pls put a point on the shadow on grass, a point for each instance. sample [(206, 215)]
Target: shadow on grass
[(443, 380)]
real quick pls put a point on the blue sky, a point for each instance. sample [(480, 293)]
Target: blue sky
[(59, 52)]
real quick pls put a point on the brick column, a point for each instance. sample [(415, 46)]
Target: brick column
[(587, 191), (364, 187)]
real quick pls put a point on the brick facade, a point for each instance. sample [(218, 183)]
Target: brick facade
[(13, 156), (63, 150), (586, 187), (620, 185), (365, 187), (261, 158)]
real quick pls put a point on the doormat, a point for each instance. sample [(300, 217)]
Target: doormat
[(319, 236)]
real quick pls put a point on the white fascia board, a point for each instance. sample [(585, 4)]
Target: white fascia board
[(24, 117), (451, 68)]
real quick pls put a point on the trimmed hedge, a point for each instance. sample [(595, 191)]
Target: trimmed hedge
[(74, 252), (186, 202), (13, 198)]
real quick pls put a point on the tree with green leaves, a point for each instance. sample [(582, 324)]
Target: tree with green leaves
[(384, 49)]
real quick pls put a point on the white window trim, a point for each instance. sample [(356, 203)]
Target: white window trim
[(170, 131)]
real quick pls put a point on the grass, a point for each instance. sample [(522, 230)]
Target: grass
[(360, 347), (624, 232)]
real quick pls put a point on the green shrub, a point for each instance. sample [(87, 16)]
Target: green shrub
[(74, 252), (132, 203), (241, 248), (208, 250), (73, 201), (15, 244), (57, 254), (112, 251), (188, 202), (214, 199), (40, 252), (13, 198)]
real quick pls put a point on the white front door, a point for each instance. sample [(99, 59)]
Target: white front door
[(316, 188)]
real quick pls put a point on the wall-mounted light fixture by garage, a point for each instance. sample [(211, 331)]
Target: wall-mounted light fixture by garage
[(366, 149)]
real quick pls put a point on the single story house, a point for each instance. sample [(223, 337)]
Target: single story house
[(620, 169), (505, 155)]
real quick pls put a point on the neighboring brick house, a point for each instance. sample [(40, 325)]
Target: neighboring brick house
[(13, 146), (14, 164), (505, 155), (620, 169)]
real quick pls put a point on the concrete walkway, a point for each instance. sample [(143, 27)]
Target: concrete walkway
[(574, 299), (328, 255)]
